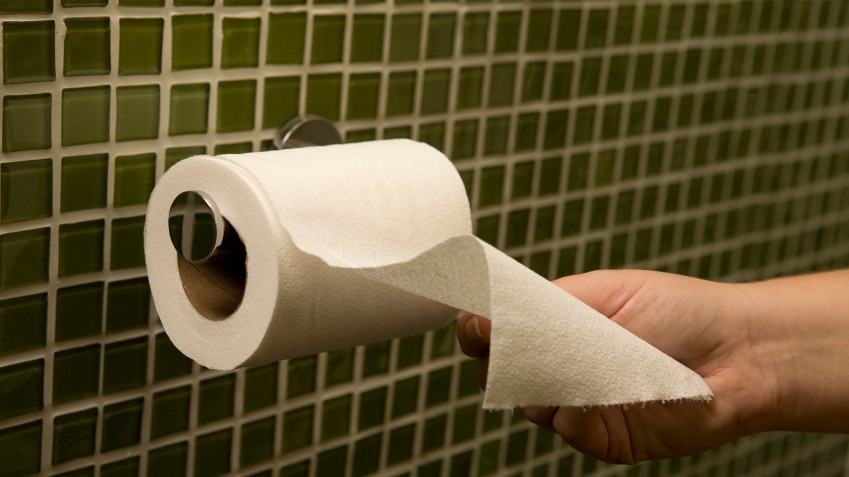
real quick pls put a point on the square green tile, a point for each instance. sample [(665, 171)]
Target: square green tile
[(623, 32), (335, 417), (216, 399), (363, 95), (401, 441), (332, 461), (125, 365), (128, 467), (465, 139), (487, 229), (21, 388), (339, 367), (81, 248), (367, 455), (260, 387), (74, 435), (507, 27), (491, 186), (438, 386), (298, 469), (572, 217), (138, 113), (79, 311), (281, 99), (588, 84), (301, 377), (84, 182), (174, 155), (698, 26), (401, 93), (643, 72), (596, 36), (568, 28), (475, 33), (433, 134), (85, 115), (140, 47), (212, 453), (240, 44), (539, 30), (128, 305), (87, 47), (236, 100), (533, 81), (636, 118), (372, 408), (324, 95), (649, 30), (189, 111), (20, 448), (502, 84), (561, 81), (328, 39), (556, 123), (367, 38), (134, 179), (24, 258), (298, 429), (527, 125), (286, 33), (376, 359), (470, 87), (409, 351), (440, 35), (497, 134), (544, 224), (18, 7), (26, 122), (122, 423), (170, 412), (84, 3), (465, 424), (675, 22), (435, 91), (191, 42), (551, 172), (141, 3), (523, 178), (405, 38), (26, 190), (127, 243), (29, 51), (169, 362), (168, 460), (257, 443), (405, 397)]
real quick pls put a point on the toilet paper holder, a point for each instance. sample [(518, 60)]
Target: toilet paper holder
[(197, 228)]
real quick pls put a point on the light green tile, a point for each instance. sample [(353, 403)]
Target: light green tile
[(140, 46), (138, 113), (191, 43), (189, 111), (236, 102), (240, 43), (85, 115), (26, 122)]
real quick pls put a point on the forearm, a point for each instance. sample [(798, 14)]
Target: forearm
[(800, 332)]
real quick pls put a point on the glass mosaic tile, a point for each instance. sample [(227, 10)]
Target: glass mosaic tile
[(26, 190), (20, 448), (191, 46), (87, 47), (240, 46), (21, 388), (26, 122), (85, 115), (212, 454), (29, 51)]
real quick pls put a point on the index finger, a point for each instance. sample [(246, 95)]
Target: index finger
[(473, 333)]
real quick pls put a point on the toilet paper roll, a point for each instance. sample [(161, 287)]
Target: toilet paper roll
[(352, 244)]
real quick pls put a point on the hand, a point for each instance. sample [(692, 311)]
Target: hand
[(704, 325)]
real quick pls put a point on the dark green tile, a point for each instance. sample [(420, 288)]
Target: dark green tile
[(140, 46), (440, 35), (324, 95), (432, 134), (367, 38), (401, 441), (216, 397), (544, 224), (170, 412), (257, 443), (301, 377), (81, 248), (636, 118), (405, 37), (169, 361), (692, 64), (363, 95), (527, 126), (339, 367), (465, 423), (475, 33), (502, 84), (240, 42), (617, 74), (138, 113), (29, 51), (327, 39), (212, 453), (236, 100), (333, 461), (280, 102), (401, 93), (85, 115), (87, 47), (24, 258), (572, 217), (551, 171), (590, 78), (611, 120), (584, 125), (517, 448), (127, 250), (174, 155), (433, 433), (79, 311), (372, 408), (409, 351), (367, 455), (533, 81), (121, 425), (569, 26), (492, 186), (335, 418), (597, 29), (128, 467), (74, 435), (128, 305), (507, 26), (360, 135), (523, 178), (465, 139), (487, 229), (376, 359), (260, 387), (556, 123), (134, 179), (189, 111), (643, 72), (435, 91), (26, 122), (461, 464), (624, 30), (561, 81), (438, 386), (168, 460), (20, 448), (21, 388), (539, 30), (497, 134), (675, 22), (18, 7), (649, 31), (442, 342), (26, 190), (125, 365), (191, 42), (298, 428), (84, 182), (698, 26), (667, 68), (298, 469), (85, 3), (488, 458), (141, 3), (286, 38), (492, 421)]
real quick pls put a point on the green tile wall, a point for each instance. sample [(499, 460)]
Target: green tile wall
[(704, 138)]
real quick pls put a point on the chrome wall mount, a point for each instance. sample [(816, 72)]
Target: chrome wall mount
[(198, 231)]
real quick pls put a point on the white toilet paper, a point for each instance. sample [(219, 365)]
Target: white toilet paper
[(354, 244)]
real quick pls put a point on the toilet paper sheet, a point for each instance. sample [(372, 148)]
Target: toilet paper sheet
[(354, 244)]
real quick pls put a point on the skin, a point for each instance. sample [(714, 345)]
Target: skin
[(775, 354)]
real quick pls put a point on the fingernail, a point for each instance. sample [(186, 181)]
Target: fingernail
[(473, 328)]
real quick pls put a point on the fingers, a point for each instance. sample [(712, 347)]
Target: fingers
[(473, 333)]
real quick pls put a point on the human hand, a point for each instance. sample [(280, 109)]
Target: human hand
[(704, 325)]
